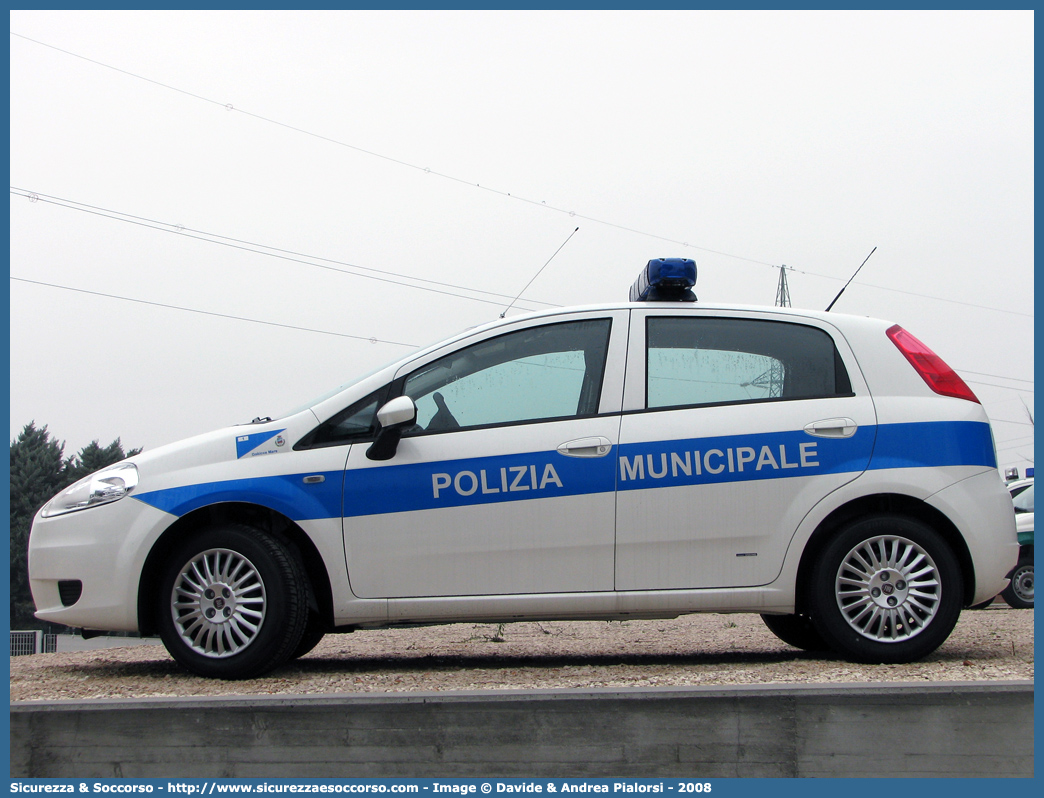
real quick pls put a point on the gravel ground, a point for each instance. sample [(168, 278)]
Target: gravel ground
[(708, 649)]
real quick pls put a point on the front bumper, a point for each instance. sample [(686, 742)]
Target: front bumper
[(104, 548)]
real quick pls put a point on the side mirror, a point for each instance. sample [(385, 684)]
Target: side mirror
[(394, 417)]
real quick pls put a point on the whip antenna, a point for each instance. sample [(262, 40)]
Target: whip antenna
[(850, 279), (513, 301)]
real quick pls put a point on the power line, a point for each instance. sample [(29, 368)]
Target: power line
[(1002, 387), (211, 313), (998, 376), (1017, 441), (499, 192), (1013, 446), (941, 299), (181, 229), (248, 246), (1009, 421), (502, 193), (372, 339), (308, 260), (390, 159)]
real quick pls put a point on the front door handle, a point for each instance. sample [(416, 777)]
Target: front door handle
[(586, 447), (832, 428)]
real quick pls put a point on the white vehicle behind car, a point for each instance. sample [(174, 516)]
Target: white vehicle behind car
[(1019, 592), (638, 460)]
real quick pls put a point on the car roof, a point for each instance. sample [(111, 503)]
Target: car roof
[(835, 319)]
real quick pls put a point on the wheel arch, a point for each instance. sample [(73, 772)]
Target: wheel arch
[(320, 594), (893, 503)]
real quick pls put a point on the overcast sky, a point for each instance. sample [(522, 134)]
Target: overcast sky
[(463, 148)]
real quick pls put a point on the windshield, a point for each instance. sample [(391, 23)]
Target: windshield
[(323, 397), (331, 393)]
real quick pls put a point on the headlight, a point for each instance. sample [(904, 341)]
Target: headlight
[(108, 485)]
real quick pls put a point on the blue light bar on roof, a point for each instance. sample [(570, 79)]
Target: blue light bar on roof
[(666, 280)]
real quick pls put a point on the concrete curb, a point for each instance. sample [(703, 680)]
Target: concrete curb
[(966, 729)]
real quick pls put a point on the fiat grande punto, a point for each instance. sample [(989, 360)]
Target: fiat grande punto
[(645, 459)]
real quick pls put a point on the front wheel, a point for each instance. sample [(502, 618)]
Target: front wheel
[(983, 605), (233, 603), (886, 589), (1019, 592), (314, 632)]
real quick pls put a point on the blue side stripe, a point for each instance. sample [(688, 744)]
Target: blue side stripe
[(287, 494), (521, 477), (934, 444), (740, 458), (483, 480)]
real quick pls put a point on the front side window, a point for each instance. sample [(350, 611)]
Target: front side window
[(705, 361), (549, 372)]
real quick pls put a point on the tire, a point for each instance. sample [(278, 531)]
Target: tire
[(233, 603), (983, 605), (1019, 592), (886, 589), (797, 631), (314, 631)]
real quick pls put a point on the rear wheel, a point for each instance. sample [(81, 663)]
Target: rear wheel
[(886, 589), (1019, 592), (797, 631), (233, 603)]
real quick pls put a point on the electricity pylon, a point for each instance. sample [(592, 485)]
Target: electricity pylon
[(783, 291)]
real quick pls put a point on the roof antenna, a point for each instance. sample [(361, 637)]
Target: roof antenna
[(513, 301), (850, 279)]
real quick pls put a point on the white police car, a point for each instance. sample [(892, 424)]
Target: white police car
[(637, 460)]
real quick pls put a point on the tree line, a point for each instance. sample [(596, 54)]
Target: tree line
[(39, 470)]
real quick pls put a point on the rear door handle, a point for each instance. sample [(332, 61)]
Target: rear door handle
[(832, 428), (586, 447)]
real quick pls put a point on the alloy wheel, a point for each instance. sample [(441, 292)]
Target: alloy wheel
[(218, 603), (888, 589)]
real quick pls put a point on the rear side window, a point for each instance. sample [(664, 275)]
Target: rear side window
[(710, 361)]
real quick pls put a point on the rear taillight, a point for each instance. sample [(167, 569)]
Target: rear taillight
[(933, 370)]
